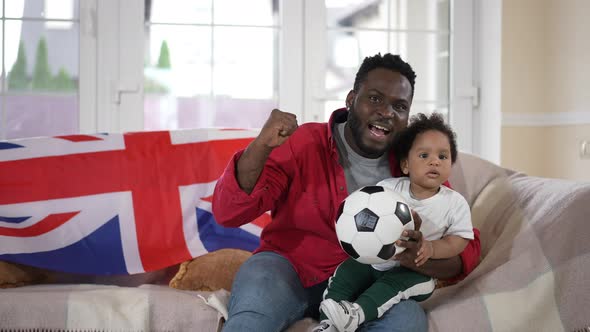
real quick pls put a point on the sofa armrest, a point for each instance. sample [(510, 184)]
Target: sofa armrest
[(535, 256)]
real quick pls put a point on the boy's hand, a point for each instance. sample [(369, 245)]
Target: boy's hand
[(412, 244), (426, 251)]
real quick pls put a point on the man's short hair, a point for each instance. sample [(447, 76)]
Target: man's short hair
[(388, 61)]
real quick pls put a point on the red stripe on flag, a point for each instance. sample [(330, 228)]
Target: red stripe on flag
[(79, 138), (49, 223), (156, 201), (263, 220)]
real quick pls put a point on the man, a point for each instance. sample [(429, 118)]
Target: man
[(301, 174)]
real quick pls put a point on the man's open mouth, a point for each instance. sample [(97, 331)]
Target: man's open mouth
[(379, 130)]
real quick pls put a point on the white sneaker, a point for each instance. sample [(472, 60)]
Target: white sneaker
[(325, 326), (345, 316)]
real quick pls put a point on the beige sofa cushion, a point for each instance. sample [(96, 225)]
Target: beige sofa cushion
[(471, 174), (210, 272)]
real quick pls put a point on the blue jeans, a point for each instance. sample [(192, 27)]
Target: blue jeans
[(268, 296)]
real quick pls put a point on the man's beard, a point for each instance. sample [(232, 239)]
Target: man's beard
[(356, 131)]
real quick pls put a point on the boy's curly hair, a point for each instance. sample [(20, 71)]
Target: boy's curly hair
[(420, 123)]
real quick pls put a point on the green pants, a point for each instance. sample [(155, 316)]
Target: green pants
[(376, 291)]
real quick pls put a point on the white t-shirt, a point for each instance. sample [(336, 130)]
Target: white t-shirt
[(445, 213)]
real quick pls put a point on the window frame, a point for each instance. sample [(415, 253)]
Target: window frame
[(88, 104)]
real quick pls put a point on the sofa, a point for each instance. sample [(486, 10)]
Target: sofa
[(533, 274)]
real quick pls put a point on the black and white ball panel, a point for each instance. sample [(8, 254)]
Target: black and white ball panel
[(402, 211), (366, 220)]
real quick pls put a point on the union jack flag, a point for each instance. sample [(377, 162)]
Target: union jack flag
[(116, 203)]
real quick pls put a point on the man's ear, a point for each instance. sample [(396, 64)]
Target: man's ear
[(350, 99), (404, 165)]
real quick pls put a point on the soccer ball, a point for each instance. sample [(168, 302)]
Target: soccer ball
[(369, 221)]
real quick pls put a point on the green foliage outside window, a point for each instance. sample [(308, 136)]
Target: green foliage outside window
[(17, 77), (153, 86), (63, 81), (42, 79), (164, 58)]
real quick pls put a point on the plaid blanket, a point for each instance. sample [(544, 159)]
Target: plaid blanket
[(98, 308), (535, 264)]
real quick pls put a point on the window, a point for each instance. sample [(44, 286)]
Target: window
[(40, 54), (417, 30), (208, 64), (114, 65)]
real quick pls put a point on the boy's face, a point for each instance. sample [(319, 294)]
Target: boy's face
[(429, 161), (377, 110)]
